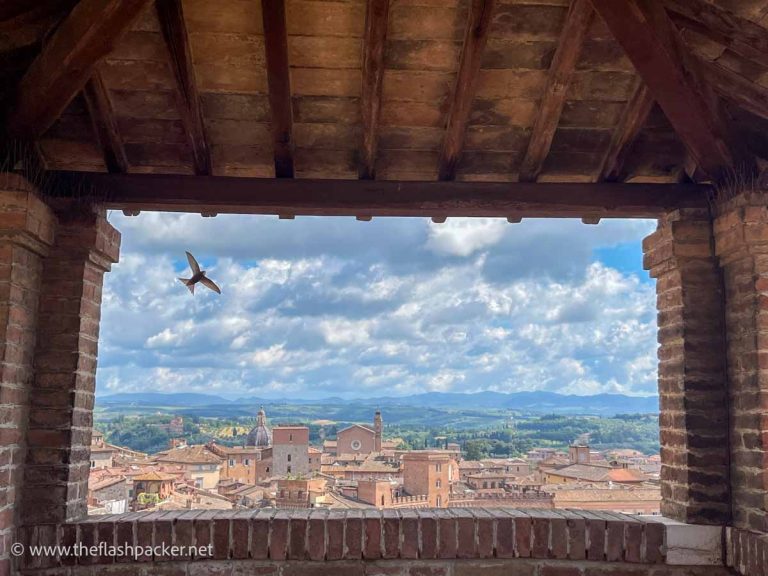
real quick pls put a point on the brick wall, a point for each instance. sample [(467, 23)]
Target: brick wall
[(747, 552), (692, 373), (61, 400), (741, 233), (26, 233), (429, 542)]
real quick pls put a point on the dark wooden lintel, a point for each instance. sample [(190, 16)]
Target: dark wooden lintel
[(219, 194)]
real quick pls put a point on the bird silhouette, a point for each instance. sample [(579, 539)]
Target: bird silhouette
[(198, 276)]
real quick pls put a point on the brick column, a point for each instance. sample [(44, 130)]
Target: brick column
[(692, 373), (26, 232), (61, 401), (741, 236)]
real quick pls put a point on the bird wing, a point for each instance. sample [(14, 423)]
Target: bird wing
[(193, 264), (188, 283), (208, 283)]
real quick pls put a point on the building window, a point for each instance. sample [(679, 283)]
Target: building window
[(289, 469), (439, 502), (289, 457), (355, 444), (93, 463), (437, 483), (290, 437), (231, 462), (438, 467), (247, 462)]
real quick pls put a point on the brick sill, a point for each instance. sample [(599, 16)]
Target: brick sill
[(326, 535)]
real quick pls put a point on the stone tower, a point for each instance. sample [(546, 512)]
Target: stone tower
[(377, 429)]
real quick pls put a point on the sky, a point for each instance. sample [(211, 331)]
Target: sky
[(320, 307)]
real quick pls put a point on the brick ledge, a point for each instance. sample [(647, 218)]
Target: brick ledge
[(328, 535)]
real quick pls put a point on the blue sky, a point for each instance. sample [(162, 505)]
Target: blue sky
[(317, 307)]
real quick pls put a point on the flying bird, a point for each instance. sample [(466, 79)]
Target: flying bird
[(198, 276)]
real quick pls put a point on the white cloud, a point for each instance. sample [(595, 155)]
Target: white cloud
[(465, 236), (400, 307)]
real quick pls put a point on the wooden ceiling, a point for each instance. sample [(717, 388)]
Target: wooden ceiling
[(530, 91)]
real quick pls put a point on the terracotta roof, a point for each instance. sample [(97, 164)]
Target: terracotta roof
[(598, 473), (355, 426), (152, 476), (188, 455), (608, 495), (105, 482)]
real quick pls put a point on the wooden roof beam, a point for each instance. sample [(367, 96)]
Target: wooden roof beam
[(743, 36), (653, 44), (560, 71), (374, 198), (634, 116), (171, 16), (104, 124), (736, 88), (66, 62), (475, 38), (374, 41), (279, 83)]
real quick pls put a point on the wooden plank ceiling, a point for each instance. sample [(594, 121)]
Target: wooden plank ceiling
[(543, 91)]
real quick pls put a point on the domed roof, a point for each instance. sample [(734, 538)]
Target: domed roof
[(259, 434)]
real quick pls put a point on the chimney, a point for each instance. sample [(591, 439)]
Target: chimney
[(377, 426)]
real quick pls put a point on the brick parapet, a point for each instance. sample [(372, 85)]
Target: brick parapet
[(693, 399), (362, 535), (747, 552)]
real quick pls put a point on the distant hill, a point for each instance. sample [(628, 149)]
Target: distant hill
[(160, 399), (527, 402), (538, 401)]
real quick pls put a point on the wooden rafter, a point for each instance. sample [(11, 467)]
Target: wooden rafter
[(480, 14), (104, 124), (635, 115), (373, 198), (560, 71), (278, 80), (66, 62), (171, 16), (376, 18), (743, 36), (736, 89), (653, 44)]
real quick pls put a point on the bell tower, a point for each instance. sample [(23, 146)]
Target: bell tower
[(377, 429)]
